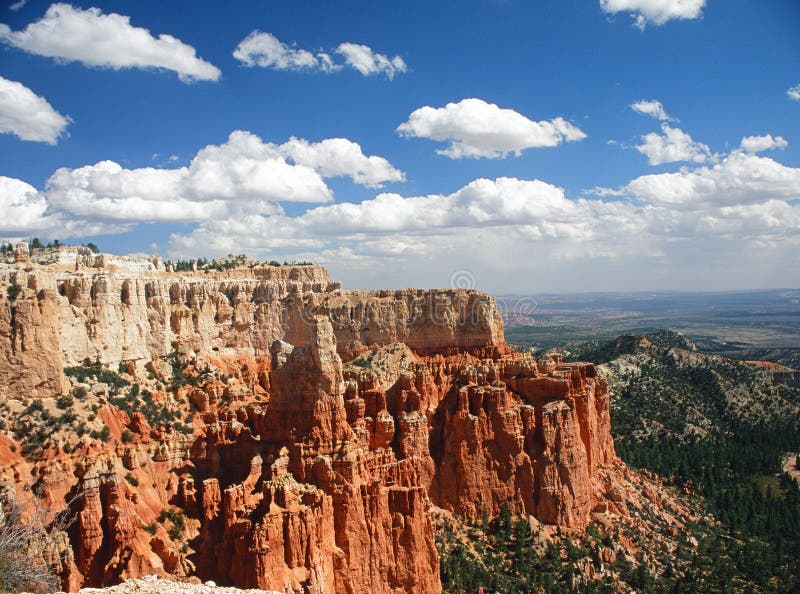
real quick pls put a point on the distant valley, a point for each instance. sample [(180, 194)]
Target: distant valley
[(760, 325)]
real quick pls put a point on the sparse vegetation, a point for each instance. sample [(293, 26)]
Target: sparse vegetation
[(177, 519), (12, 292), (103, 435), (65, 402), (96, 371)]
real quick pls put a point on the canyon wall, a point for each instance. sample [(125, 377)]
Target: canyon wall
[(114, 314), (324, 424)]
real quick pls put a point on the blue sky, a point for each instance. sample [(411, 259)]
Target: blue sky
[(609, 198)]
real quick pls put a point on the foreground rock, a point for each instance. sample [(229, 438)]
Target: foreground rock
[(152, 584), (228, 438)]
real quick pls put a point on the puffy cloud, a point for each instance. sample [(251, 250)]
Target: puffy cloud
[(244, 176), (106, 40), (651, 108), (794, 93), (246, 168), (334, 157), (106, 191), (742, 194), (481, 203), (739, 179), (391, 224), (368, 62), (656, 12), (18, 5), (757, 144), (478, 129), (506, 229), (30, 117), (22, 205), (26, 212), (266, 50), (671, 146)]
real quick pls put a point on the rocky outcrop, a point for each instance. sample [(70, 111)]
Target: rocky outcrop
[(154, 585), (778, 374), (137, 313), (325, 424)]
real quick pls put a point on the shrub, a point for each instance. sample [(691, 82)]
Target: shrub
[(178, 522), (131, 480), (103, 435), (64, 402), (13, 291), (22, 545)]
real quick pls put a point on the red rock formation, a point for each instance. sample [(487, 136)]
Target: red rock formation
[(302, 473)]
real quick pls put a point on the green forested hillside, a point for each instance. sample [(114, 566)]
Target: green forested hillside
[(715, 428), (718, 427)]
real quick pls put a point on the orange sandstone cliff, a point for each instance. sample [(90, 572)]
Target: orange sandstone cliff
[(293, 436)]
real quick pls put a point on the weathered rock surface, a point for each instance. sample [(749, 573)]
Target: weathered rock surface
[(301, 473), (154, 585)]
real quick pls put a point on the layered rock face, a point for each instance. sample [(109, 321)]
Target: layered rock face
[(326, 425), (115, 314)]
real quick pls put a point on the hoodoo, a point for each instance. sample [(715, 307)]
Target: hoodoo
[(261, 427)]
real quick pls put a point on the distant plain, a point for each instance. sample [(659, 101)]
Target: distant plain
[(761, 324)]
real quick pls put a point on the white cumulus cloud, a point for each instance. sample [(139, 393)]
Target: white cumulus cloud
[(656, 12), (241, 177), (671, 146), (794, 93), (107, 191), (335, 157), (738, 179), (652, 108), (246, 168), (739, 204), (26, 212), (757, 144), (106, 40), (266, 50), (23, 206), (478, 129), (30, 117), (368, 62), (394, 224)]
